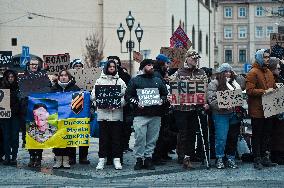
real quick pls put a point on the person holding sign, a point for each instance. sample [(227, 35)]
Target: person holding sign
[(65, 83), (108, 96), (226, 123), (147, 117), (185, 109), (11, 126), (259, 81)]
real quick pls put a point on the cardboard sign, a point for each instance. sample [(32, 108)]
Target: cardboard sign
[(137, 56), (179, 39), (6, 58), (5, 109), (108, 96), (56, 63), (230, 98), (188, 92), (273, 103), (149, 96), (86, 78), (37, 82), (177, 56)]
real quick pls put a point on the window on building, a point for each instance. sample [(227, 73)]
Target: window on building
[(228, 32), (242, 12), (259, 31), (242, 56), (200, 41), (173, 24), (228, 56), (14, 41), (207, 45), (193, 37), (281, 11), (228, 12), (259, 11), (269, 30), (242, 32)]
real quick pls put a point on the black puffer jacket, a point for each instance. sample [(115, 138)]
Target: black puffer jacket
[(14, 91), (141, 82), (70, 87)]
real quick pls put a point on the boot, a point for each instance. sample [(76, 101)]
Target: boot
[(32, 161), (84, 161), (117, 164), (266, 161), (257, 163), (58, 162), (65, 162), (37, 163), (186, 163), (220, 163), (101, 164), (14, 161), (148, 164), (139, 164)]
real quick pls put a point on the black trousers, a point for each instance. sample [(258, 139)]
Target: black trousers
[(187, 123), (83, 152), (1, 144), (110, 142), (36, 152), (63, 151), (261, 135)]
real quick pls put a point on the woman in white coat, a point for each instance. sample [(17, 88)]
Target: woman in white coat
[(110, 119)]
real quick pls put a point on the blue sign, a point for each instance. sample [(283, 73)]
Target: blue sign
[(247, 67), (25, 57)]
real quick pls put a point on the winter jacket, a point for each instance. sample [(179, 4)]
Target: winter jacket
[(110, 114), (212, 98), (146, 81), (14, 92), (70, 87), (258, 80)]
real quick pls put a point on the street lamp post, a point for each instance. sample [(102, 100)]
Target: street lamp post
[(129, 43)]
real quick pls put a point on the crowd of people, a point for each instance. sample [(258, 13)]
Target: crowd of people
[(163, 128)]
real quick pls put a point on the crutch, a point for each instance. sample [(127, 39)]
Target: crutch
[(203, 143)]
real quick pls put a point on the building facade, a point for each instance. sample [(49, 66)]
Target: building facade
[(57, 26), (244, 26)]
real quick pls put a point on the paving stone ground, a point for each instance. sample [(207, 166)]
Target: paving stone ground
[(169, 175)]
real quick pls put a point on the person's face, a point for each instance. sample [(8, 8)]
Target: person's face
[(277, 70), (78, 66), (33, 65), (165, 67), (266, 58), (11, 78), (63, 77), (149, 69), (228, 74), (191, 62), (111, 68), (41, 117)]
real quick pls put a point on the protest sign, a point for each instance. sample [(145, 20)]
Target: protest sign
[(5, 110), (33, 82), (177, 56), (86, 78), (188, 92), (230, 98), (179, 39), (149, 96), (6, 59), (108, 96), (65, 120), (279, 85), (55, 63), (273, 102)]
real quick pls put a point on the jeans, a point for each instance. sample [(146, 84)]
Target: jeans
[(224, 122), (147, 130), (10, 129)]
